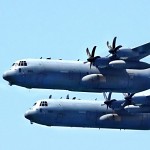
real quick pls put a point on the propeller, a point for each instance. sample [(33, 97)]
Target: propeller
[(91, 56), (108, 100), (113, 48), (128, 99)]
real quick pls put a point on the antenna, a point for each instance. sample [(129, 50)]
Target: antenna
[(50, 96)]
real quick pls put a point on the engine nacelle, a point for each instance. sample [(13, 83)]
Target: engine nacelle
[(110, 117), (119, 64), (93, 80), (102, 82)]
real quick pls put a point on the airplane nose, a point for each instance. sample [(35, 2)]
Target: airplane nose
[(7, 76), (10, 76), (29, 115)]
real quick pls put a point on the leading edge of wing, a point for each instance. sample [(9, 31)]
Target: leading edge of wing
[(143, 51)]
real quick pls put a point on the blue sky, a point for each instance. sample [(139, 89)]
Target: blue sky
[(64, 29)]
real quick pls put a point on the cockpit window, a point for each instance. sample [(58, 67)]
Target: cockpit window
[(43, 103), (21, 63), (15, 64)]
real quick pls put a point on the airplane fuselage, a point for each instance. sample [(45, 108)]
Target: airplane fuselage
[(76, 76), (84, 113)]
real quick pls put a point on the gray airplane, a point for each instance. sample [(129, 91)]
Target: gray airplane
[(130, 113), (98, 74)]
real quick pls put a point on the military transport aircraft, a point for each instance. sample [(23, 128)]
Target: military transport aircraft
[(130, 113), (98, 74)]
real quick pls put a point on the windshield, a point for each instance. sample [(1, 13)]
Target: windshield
[(15, 64), (43, 103), (21, 63)]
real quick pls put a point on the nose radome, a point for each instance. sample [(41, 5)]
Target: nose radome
[(29, 115), (7, 76)]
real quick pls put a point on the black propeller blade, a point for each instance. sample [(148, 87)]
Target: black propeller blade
[(109, 103), (113, 49), (128, 100), (91, 56), (108, 100)]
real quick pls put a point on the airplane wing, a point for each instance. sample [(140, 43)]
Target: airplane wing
[(142, 51)]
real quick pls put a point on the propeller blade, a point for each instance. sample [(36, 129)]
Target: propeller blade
[(114, 43), (113, 49), (90, 65), (107, 103), (93, 51), (91, 58), (85, 62), (128, 100), (108, 45), (109, 95), (108, 100), (129, 96), (118, 47), (88, 52), (126, 103), (105, 96)]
